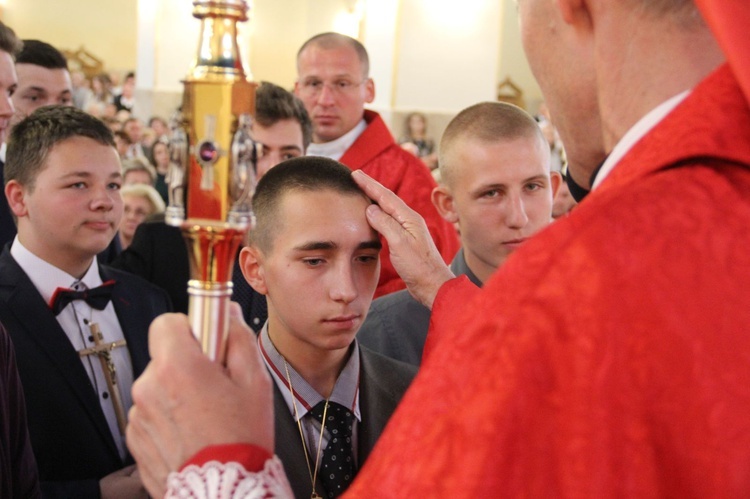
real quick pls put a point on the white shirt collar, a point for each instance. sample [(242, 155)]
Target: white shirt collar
[(336, 148), (46, 277), (636, 133), (3, 150)]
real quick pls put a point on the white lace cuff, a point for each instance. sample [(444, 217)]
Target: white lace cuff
[(215, 480)]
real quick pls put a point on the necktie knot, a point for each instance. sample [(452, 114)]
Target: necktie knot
[(338, 417), (97, 297)]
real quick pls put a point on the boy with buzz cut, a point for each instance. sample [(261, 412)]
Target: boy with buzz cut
[(316, 258), (497, 187), (79, 329)]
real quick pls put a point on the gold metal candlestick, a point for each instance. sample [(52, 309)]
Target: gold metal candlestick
[(213, 175)]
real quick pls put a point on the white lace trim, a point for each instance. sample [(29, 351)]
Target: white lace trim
[(215, 480)]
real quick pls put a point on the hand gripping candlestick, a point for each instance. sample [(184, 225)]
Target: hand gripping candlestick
[(213, 172)]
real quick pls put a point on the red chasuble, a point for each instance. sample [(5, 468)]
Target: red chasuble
[(609, 357)]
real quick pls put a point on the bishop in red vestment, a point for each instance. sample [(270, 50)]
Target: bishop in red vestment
[(633, 393)]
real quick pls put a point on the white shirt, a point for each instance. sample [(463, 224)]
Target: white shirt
[(636, 133), (74, 319), (336, 148)]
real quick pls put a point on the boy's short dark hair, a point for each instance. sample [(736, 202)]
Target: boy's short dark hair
[(307, 174), (9, 42), (32, 139), (42, 54), (273, 104)]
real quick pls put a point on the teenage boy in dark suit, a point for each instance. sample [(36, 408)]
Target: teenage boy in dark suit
[(316, 259), (79, 329)]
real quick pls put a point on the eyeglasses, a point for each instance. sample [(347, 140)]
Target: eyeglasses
[(313, 87)]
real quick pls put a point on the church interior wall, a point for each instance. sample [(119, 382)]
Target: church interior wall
[(434, 56)]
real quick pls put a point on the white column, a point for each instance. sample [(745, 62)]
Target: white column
[(513, 61), (167, 41), (381, 35)]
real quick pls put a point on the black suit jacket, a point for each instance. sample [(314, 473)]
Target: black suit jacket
[(18, 472), (158, 254), (382, 383), (69, 434)]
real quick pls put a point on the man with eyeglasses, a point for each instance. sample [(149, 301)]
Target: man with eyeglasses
[(334, 84)]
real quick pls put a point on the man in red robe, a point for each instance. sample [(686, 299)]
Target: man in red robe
[(609, 356)]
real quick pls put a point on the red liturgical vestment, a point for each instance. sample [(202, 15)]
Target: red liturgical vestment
[(609, 357)]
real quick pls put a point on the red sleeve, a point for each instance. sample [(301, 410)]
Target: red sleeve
[(728, 22), (251, 457), (459, 290)]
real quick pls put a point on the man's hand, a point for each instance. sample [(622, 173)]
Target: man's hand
[(183, 402), (412, 250), (122, 484)]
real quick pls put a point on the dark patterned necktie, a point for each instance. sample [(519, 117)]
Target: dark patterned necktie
[(97, 297), (337, 465)]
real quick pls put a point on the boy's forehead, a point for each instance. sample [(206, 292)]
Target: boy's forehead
[(468, 153), (81, 143), (70, 150), (303, 210), (293, 196), (470, 144)]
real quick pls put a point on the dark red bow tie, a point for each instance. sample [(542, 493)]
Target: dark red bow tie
[(97, 297)]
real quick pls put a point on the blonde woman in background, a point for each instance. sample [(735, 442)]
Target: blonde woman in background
[(139, 202)]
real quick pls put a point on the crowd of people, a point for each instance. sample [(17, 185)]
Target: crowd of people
[(541, 347)]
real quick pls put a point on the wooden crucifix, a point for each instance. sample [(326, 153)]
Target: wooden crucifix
[(104, 352)]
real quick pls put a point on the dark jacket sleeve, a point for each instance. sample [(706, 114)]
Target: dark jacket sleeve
[(159, 255), (18, 471)]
